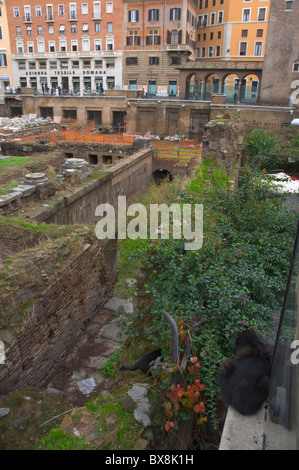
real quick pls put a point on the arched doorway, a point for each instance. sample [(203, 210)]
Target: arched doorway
[(249, 92), (230, 86), (194, 87), (212, 85)]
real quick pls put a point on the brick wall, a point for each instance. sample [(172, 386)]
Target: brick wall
[(37, 342)]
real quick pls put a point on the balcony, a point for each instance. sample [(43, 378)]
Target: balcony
[(73, 16), (49, 17), (96, 15), (179, 47), (27, 18)]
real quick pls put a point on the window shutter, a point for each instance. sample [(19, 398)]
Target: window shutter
[(168, 37), (171, 14), (129, 16), (137, 40), (179, 16), (158, 15), (180, 37), (149, 15), (137, 15)]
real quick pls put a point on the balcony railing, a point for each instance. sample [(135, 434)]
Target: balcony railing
[(73, 16)]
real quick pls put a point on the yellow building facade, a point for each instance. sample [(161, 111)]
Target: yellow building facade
[(6, 76), (232, 29)]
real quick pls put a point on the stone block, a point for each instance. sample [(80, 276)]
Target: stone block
[(8, 198), (25, 189)]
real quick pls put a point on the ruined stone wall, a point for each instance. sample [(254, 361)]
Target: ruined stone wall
[(51, 292), (127, 178), (223, 139)]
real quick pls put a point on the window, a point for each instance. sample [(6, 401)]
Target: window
[(258, 48), (244, 33), (18, 31), (133, 16), (98, 64), (20, 47), (203, 52), (211, 36), (218, 51), (75, 64), (174, 37), (97, 10), (109, 7), (210, 51), (51, 46), (262, 14), (219, 34), (51, 29), (85, 45), (246, 14), (86, 64), (62, 29), (84, 8), (175, 14), (73, 11), (259, 33), (109, 27), (16, 13), (213, 18), (220, 17), (289, 5), (64, 64), (41, 46), (62, 45), (85, 28), (30, 46), (131, 61), (110, 44), (27, 13), (3, 61), (38, 11), (73, 28), (97, 45), (296, 67), (97, 27), (154, 60), (60, 10), (110, 64), (153, 38), (243, 48), (39, 30), (74, 46), (32, 65), (153, 15), (133, 39), (42, 64), (29, 31), (22, 65), (53, 64), (174, 60)]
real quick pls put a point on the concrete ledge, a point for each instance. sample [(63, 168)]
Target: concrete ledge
[(243, 432)]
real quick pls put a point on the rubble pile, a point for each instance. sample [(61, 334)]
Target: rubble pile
[(22, 123)]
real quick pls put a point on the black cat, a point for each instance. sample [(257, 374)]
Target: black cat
[(144, 362)]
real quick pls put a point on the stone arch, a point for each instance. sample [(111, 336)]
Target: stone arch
[(194, 86), (249, 89), (212, 84), (230, 86)]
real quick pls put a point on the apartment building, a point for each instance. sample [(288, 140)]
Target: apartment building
[(66, 47), (159, 36), (232, 29), (6, 77), (280, 85)]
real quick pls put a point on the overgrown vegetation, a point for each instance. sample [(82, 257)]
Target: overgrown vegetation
[(235, 281)]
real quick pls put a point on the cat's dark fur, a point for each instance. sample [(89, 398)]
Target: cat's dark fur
[(144, 362), (245, 381)]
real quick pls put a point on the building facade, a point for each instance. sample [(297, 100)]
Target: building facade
[(6, 76), (66, 47), (280, 84), (159, 36)]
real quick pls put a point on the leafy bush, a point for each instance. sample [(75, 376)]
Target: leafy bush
[(235, 281)]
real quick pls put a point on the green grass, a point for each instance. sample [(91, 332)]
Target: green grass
[(8, 187), (58, 439), (8, 164)]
